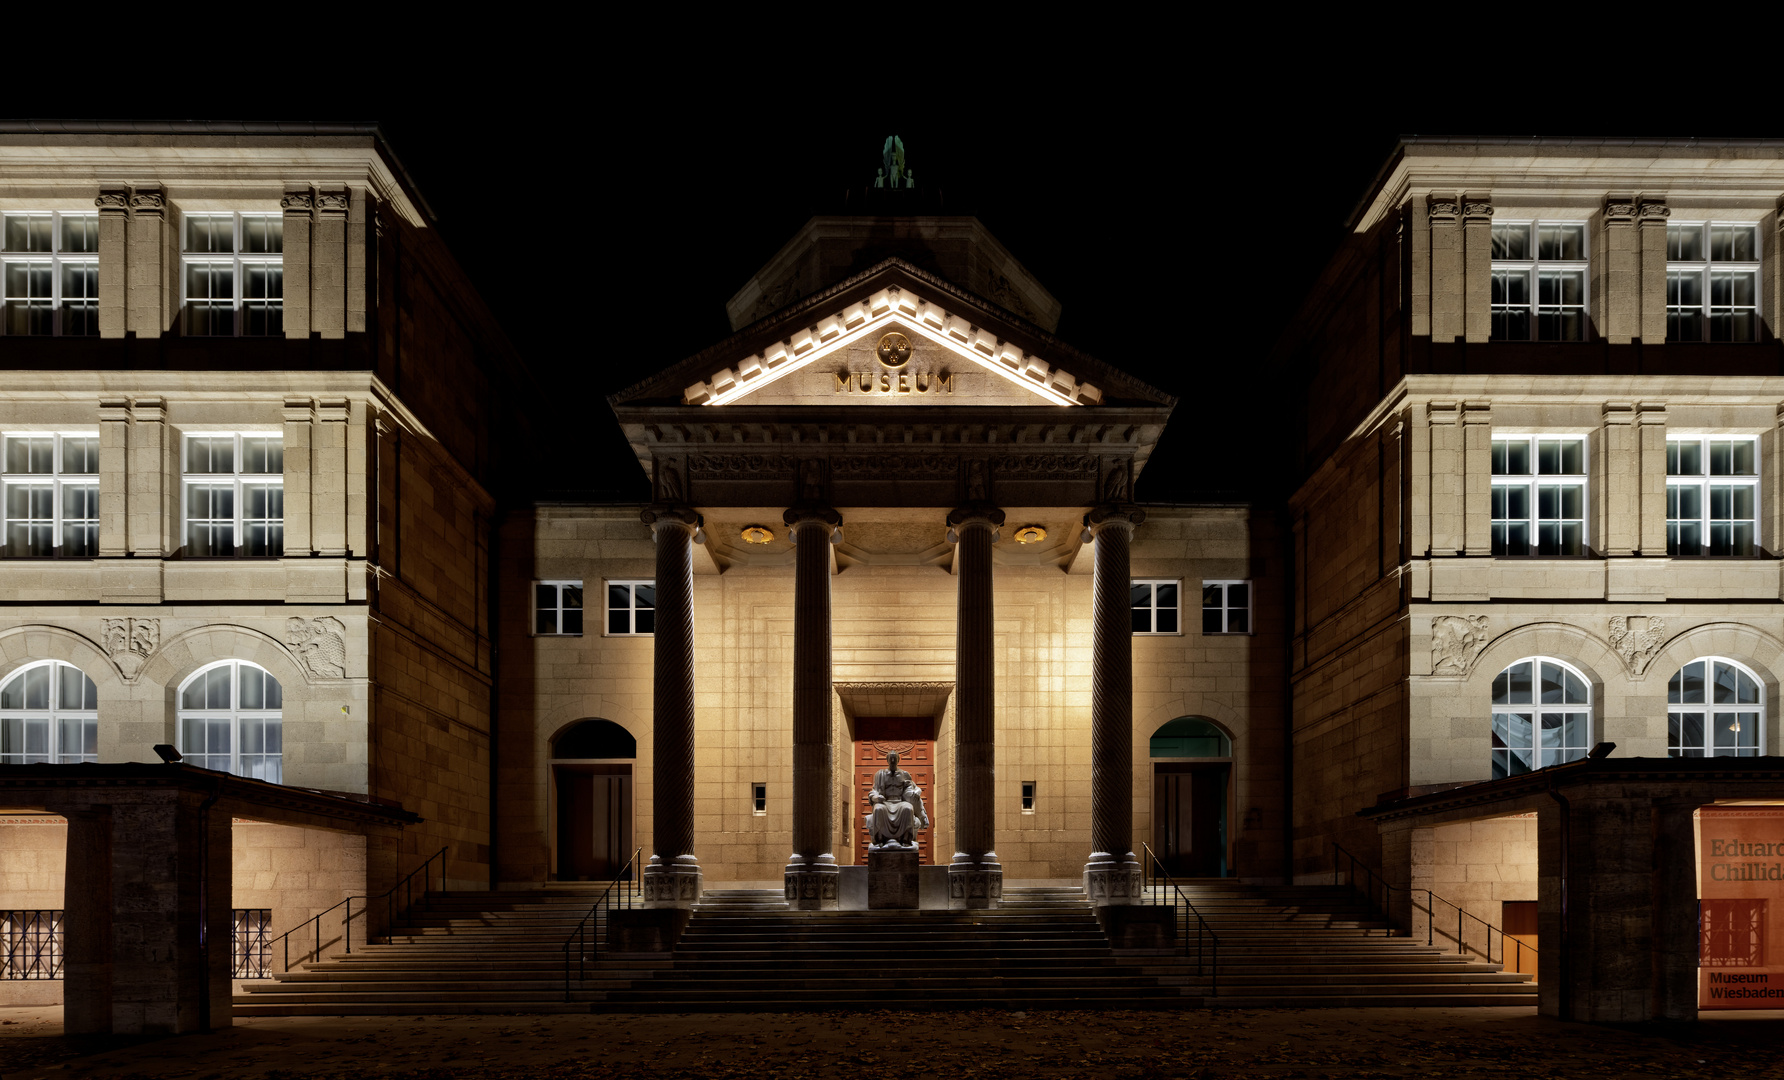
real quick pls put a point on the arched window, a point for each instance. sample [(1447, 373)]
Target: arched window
[(229, 717), (1714, 709), (1189, 736), (1542, 716), (48, 712)]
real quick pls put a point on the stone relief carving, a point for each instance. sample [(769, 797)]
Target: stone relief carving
[(811, 481), (1619, 208), (130, 642), (1047, 466), (321, 643), (1442, 208), (1005, 295), (1474, 208), (111, 200), (669, 484), (741, 466), (1456, 640), (1637, 638), (1656, 210), (901, 464), (297, 201), (335, 201), (148, 200), (1115, 483), (978, 488)]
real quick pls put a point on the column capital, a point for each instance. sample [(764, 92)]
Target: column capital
[(113, 200), (823, 514), (672, 514), (976, 511), (1124, 514), (297, 202)]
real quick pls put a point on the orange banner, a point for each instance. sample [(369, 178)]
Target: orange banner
[(1740, 925)]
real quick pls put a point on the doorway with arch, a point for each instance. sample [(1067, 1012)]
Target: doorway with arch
[(1192, 766), (591, 770)]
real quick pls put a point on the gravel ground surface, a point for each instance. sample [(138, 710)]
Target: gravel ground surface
[(981, 1045)]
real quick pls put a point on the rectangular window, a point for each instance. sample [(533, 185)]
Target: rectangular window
[(1155, 605), (1539, 281), (758, 798), (232, 275), (31, 944), (1712, 496), (49, 274), (1028, 796), (1712, 282), (631, 607), (557, 607), (233, 499), (51, 495), (250, 942), (1226, 607), (1539, 496)]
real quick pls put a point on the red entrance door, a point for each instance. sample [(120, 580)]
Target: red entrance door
[(913, 738)]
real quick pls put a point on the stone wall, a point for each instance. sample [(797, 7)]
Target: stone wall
[(1474, 865), (299, 873)]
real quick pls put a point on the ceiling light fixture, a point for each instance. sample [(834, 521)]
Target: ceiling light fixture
[(1030, 534), (757, 534)]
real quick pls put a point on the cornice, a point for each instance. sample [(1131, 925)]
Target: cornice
[(236, 791), (1574, 775)]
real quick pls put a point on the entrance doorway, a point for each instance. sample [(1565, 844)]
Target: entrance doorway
[(1189, 817), (913, 739), (594, 799)]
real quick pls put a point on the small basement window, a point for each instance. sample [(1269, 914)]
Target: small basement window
[(759, 798)]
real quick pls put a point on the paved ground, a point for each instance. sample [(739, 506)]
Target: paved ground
[(983, 1045)]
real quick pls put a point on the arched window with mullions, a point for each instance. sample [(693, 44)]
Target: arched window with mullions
[(49, 713), (230, 716), (1542, 716), (1714, 708)]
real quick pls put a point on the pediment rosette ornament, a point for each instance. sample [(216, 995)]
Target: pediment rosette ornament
[(1637, 639), (321, 644), (1456, 642), (130, 643)]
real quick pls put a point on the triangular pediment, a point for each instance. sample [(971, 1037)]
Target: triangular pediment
[(893, 335)]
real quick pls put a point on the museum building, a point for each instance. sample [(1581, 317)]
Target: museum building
[(259, 517)]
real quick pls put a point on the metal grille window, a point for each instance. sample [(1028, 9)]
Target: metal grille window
[(49, 274), (250, 947), (1539, 281), (1154, 605), (1539, 496), (31, 944), (557, 607), (1226, 607), (1733, 932), (631, 607), (1542, 716), (1714, 709), (231, 720), (52, 495), (1712, 496), (234, 495), (232, 275), (49, 713), (1712, 282)]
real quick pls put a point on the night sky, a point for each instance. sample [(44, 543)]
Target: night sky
[(1159, 272)]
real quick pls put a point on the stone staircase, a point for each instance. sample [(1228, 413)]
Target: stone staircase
[(502, 952)]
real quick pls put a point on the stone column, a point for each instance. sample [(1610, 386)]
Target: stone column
[(1112, 876), (1675, 931), (672, 880), (811, 875), (975, 878)]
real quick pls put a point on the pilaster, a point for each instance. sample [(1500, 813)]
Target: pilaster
[(114, 247), (150, 266), (299, 207), (328, 477), (1619, 296), (1650, 418), (150, 501), (1447, 279), (1443, 422), (114, 477), (1477, 268), (975, 877), (1651, 219), (1618, 480), (1477, 477), (328, 265), (299, 416)]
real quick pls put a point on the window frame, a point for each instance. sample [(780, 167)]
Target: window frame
[(53, 716), (607, 609), (1153, 607), (1704, 482), (1225, 585), (58, 480), (1705, 269), (239, 482), (57, 260), (235, 714), (1536, 708), (559, 584), (238, 263), (1712, 711), (1532, 482), (1532, 269)]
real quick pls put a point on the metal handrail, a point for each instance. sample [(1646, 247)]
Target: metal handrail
[(1431, 900), (315, 921), (579, 936), (1155, 871)]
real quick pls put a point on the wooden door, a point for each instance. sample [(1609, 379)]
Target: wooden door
[(913, 738), (1189, 818), (1518, 920), (594, 821)]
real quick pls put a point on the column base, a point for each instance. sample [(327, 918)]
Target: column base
[(812, 883), (974, 883), (1109, 881), (672, 885)]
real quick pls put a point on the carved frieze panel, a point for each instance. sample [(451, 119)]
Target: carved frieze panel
[(321, 644), (1047, 466), (130, 642), (1456, 642), (928, 465), (739, 466), (1637, 638)]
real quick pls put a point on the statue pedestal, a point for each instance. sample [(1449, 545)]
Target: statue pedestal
[(1112, 882), (892, 880)]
